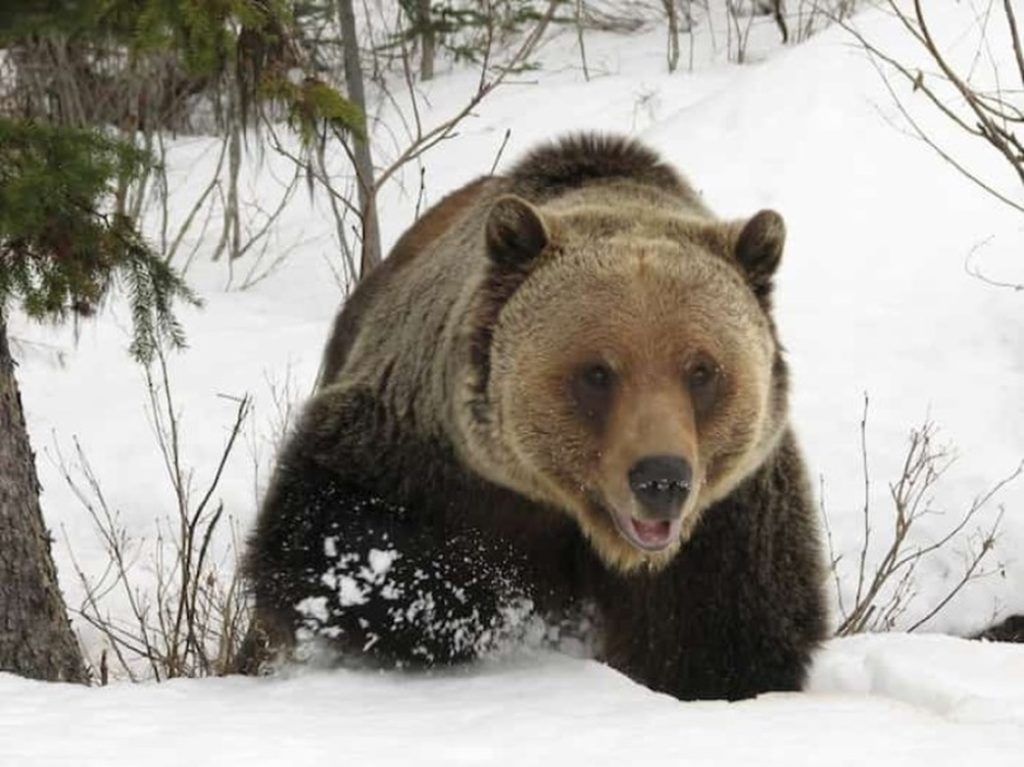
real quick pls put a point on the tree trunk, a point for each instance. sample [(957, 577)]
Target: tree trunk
[(35, 635), (673, 33), (779, 13), (428, 39), (360, 145)]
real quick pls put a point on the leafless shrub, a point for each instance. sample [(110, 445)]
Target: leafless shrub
[(993, 112), (739, 20), (246, 226), (672, 15), (193, 619), (974, 270), (804, 17), (579, 11), (68, 80), (886, 588), (266, 439), (622, 16), (419, 138), (811, 16)]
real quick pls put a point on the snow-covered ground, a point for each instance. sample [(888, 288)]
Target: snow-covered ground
[(880, 700), (873, 298)]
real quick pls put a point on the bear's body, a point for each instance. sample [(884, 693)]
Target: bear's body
[(493, 399)]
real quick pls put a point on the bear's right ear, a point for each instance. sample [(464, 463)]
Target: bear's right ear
[(516, 233)]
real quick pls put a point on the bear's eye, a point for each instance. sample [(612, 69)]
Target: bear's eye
[(702, 379), (593, 389), (598, 376)]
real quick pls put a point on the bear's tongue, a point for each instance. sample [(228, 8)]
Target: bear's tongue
[(654, 533)]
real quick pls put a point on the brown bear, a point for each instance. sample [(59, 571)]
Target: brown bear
[(561, 398)]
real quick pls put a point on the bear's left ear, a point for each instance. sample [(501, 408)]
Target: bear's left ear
[(516, 233), (758, 249)]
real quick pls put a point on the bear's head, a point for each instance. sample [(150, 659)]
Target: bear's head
[(625, 365)]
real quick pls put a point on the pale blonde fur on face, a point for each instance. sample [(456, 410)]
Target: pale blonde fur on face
[(644, 304)]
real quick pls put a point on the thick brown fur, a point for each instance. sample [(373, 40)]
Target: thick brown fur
[(415, 241), (463, 470)]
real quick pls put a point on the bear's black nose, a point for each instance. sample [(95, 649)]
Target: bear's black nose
[(661, 484)]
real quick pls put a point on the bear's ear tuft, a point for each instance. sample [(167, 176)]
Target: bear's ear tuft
[(516, 233), (758, 248)]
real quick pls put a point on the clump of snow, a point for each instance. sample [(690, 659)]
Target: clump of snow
[(330, 546), (314, 608), (349, 592), (380, 562), (424, 601)]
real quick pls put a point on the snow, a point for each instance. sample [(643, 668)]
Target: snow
[(908, 701), (872, 298), (928, 672)]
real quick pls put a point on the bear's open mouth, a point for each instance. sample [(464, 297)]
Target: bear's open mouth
[(650, 535)]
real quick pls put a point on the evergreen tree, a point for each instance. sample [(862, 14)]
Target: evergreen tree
[(60, 255), (82, 72)]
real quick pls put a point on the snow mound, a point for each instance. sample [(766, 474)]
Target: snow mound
[(954, 678), (899, 700)]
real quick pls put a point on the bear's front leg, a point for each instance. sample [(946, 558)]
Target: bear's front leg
[(338, 565), (693, 635)]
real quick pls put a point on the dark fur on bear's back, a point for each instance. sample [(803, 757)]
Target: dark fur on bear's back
[(572, 162), (435, 563)]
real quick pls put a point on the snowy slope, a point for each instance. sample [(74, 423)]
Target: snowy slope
[(872, 298), (908, 701)]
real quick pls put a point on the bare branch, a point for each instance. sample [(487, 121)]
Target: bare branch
[(886, 588), (194, 622), (1011, 22)]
